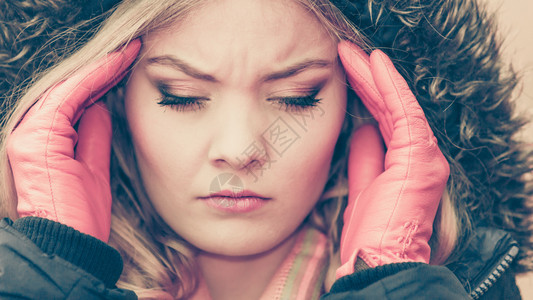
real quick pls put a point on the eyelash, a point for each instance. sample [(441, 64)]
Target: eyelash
[(289, 104), (298, 103)]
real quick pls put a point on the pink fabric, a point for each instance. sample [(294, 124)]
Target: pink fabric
[(305, 264), (276, 286), (310, 251), (310, 271)]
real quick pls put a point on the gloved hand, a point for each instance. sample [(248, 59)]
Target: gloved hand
[(393, 196), (61, 174)]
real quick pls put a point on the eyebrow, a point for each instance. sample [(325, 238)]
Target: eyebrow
[(176, 63)]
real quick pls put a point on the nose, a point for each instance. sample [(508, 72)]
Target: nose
[(237, 144)]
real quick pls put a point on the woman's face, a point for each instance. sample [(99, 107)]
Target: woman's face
[(241, 96)]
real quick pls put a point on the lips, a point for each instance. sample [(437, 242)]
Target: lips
[(236, 194), (235, 202)]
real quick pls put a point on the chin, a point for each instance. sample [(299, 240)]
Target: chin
[(248, 244)]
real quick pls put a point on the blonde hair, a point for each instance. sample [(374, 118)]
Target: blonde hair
[(155, 257)]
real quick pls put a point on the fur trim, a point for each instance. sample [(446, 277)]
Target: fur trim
[(35, 34)]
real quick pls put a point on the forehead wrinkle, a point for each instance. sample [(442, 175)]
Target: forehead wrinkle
[(287, 72)]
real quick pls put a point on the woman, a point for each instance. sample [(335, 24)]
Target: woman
[(184, 118)]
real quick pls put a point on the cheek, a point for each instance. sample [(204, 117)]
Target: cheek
[(163, 147), (147, 129), (311, 158), (318, 142)]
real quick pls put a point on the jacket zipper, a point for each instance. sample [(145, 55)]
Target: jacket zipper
[(496, 273)]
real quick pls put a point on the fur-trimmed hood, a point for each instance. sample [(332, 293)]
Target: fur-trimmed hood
[(447, 50)]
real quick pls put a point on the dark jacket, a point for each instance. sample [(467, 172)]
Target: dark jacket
[(43, 259)]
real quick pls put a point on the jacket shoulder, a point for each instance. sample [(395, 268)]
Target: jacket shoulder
[(29, 273), (485, 269)]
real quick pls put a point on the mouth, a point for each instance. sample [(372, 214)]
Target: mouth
[(241, 201), (236, 194)]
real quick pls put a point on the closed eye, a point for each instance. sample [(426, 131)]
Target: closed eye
[(298, 103), (194, 103), (180, 103)]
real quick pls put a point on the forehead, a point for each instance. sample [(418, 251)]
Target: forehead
[(273, 31)]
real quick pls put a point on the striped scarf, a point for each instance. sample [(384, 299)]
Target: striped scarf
[(301, 276)]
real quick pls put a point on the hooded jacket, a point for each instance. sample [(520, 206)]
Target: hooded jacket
[(449, 53)]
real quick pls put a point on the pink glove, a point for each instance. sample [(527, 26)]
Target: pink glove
[(393, 198), (52, 179)]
